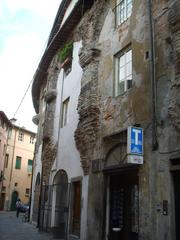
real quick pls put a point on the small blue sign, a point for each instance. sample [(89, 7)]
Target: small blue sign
[(135, 140)]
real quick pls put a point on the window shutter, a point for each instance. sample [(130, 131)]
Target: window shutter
[(18, 163)]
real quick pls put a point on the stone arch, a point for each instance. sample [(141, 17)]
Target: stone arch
[(60, 204), (60, 177), (116, 156)]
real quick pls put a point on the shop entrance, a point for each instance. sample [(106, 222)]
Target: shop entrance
[(176, 176), (123, 206)]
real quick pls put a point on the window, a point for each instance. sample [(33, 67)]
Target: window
[(18, 163), (21, 136), (6, 160), (123, 10), (27, 192), (123, 72), (65, 112), (67, 67), (65, 57), (30, 164), (4, 149), (31, 139), (9, 133), (16, 184)]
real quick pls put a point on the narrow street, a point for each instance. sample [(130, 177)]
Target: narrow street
[(12, 228)]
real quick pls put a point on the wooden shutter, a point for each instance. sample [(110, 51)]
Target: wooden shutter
[(18, 163)]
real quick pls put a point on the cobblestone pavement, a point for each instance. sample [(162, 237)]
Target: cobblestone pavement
[(12, 228)]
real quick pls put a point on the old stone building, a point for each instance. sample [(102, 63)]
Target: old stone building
[(111, 69), (5, 124)]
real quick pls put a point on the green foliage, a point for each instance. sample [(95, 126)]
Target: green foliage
[(65, 52)]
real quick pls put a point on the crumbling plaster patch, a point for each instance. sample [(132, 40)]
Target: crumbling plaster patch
[(174, 106)]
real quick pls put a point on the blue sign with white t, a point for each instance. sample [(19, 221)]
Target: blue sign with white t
[(135, 140)]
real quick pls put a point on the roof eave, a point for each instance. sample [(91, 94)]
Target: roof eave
[(57, 42)]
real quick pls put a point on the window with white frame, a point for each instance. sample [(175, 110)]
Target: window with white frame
[(32, 139), (123, 10), (123, 72), (65, 107), (21, 136), (30, 165)]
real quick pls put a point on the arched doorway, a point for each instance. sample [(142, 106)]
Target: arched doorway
[(61, 200), (36, 206), (122, 207), (13, 200)]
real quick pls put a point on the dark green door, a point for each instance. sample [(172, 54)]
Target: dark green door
[(13, 200)]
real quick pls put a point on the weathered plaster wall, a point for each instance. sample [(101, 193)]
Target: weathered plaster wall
[(102, 114), (166, 14)]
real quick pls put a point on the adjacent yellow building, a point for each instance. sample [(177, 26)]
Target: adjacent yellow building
[(18, 165)]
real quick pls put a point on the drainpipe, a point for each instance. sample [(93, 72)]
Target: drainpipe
[(153, 76)]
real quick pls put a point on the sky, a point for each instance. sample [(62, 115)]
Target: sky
[(24, 29)]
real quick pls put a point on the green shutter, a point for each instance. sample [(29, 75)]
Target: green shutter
[(18, 163)]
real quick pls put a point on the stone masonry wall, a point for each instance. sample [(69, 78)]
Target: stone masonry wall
[(86, 134), (174, 107), (49, 144)]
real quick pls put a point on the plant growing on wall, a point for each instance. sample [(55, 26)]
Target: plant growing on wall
[(66, 51)]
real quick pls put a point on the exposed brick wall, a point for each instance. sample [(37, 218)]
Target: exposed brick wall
[(86, 135), (48, 157), (49, 145), (174, 107)]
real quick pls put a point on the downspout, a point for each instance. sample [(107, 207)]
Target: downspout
[(153, 76)]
